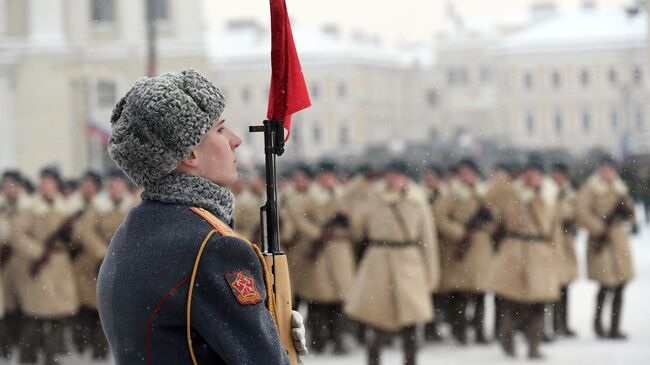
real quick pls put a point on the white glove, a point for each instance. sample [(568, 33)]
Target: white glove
[(298, 333)]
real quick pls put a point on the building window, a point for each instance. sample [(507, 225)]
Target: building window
[(613, 76), (432, 98), (315, 91), (586, 121), (463, 77), (637, 75), (106, 93), (344, 135), (559, 123), (613, 119), (245, 95), (556, 79), (342, 90), (639, 119), (103, 11), (530, 124), (451, 77), (584, 78), (317, 133), (486, 74), (528, 81)]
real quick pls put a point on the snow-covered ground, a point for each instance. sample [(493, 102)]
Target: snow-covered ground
[(583, 350)]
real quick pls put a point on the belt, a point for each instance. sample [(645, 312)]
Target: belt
[(530, 238), (393, 244)]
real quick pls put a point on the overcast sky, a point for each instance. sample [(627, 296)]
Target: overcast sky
[(393, 20)]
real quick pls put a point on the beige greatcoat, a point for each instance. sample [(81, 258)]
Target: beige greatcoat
[(93, 232), (453, 213), (14, 271), (52, 294), (524, 267), (567, 261), (300, 227), (393, 286), (331, 274), (596, 199), (247, 214)]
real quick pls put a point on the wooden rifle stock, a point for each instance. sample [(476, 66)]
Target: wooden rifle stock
[(275, 259)]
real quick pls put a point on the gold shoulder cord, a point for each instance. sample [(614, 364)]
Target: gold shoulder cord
[(224, 230)]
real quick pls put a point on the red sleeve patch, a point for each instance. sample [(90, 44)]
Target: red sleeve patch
[(243, 286)]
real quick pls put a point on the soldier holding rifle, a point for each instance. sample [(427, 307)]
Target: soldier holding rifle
[(604, 207), (42, 236), (464, 223), (179, 285)]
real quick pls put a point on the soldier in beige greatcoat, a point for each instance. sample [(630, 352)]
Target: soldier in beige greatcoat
[(435, 189), (12, 267), (604, 208), (567, 262), (299, 228), (331, 265), (465, 224), (247, 210), (523, 274), (48, 295), (93, 232), (398, 271)]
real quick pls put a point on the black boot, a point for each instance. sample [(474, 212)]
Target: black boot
[(508, 323), (409, 336), (617, 305), (564, 313), (338, 322), (598, 322), (317, 327), (478, 322), (535, 330)]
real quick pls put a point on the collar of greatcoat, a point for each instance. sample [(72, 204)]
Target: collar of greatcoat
[(103, 204), (41, 207), (413, 193), (600, 186), (549, 192), (466, 192)]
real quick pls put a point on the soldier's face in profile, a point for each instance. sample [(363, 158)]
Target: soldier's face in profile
[(395, 181), (215, 157), (607, 172), (431, 180), (533, 178), (88, 188), (300, 181), (117, 188), (10, 188), (48, 187), (467, 175), (327, 179)]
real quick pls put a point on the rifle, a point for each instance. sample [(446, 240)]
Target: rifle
[(620, 213), (338, 221), (62, 234), (480, 218), (275, 258)]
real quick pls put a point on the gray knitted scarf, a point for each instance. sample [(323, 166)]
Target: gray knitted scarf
[(192, 190)]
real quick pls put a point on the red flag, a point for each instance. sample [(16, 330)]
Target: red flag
[(288, 93)]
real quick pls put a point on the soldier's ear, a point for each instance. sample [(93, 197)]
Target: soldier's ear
[(190, 162)]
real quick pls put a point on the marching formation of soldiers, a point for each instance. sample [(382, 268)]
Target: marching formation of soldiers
[(376, 254), (52, 242)]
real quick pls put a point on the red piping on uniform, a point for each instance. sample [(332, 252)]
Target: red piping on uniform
[(153, 315)]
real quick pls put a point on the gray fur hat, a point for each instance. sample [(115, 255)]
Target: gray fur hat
[(155, 126)]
